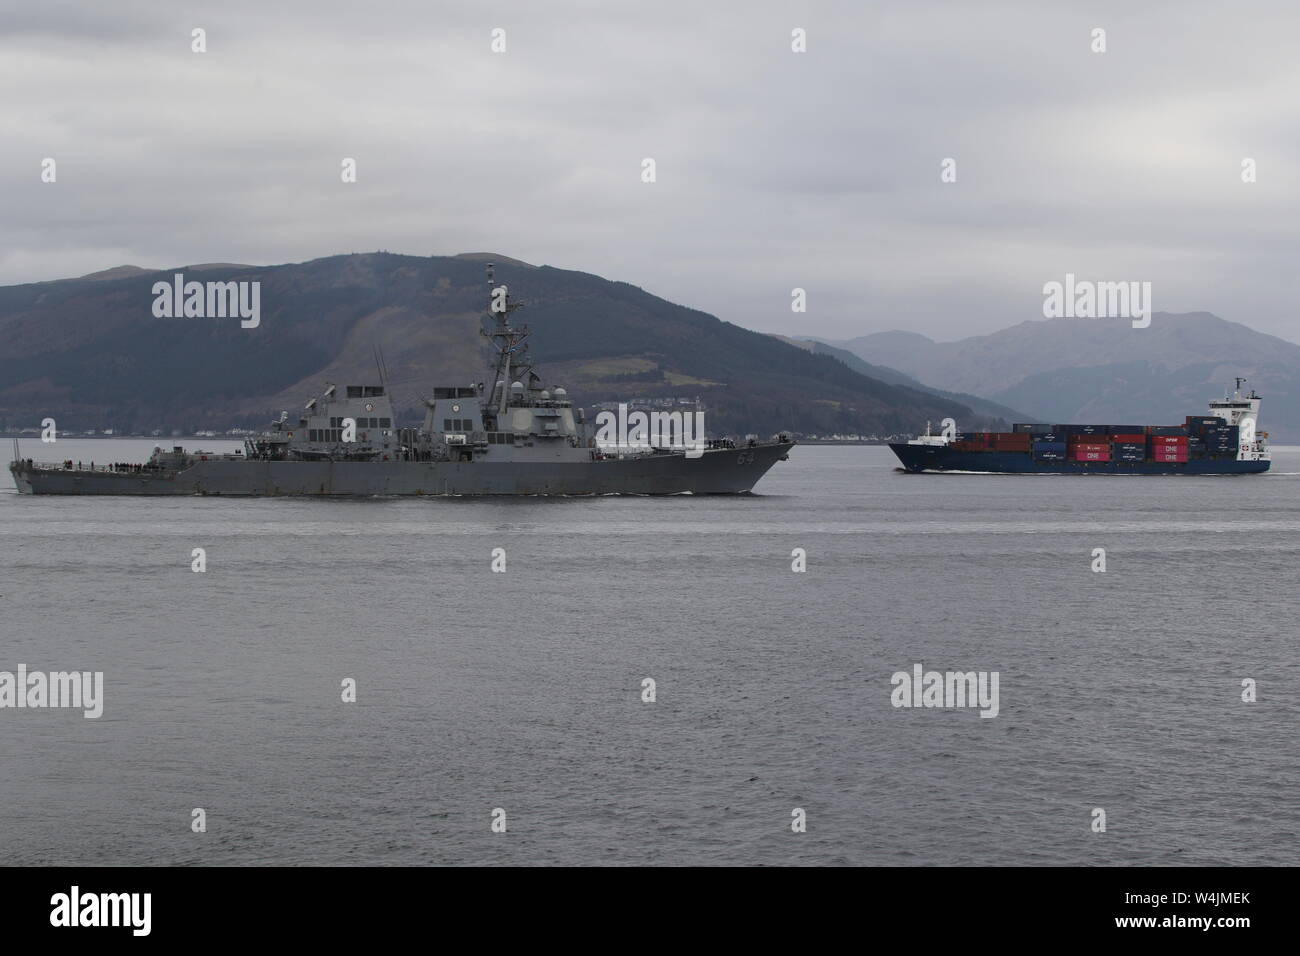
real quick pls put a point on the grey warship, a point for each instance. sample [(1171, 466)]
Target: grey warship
[(516, 438)]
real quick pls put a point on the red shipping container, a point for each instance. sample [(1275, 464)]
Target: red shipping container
[(1092, 456), (1090, 446), (1170, 456), (1128, 438), (1157, 440)]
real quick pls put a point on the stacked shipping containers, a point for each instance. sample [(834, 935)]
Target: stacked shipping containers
[(993, 441), (971, 441), (1089, 451), (1010, 441), (1086, 442), (1213, 436), (1050, 445), (1128, 442), (1200, 437), (1169, 448), (1223, 440)]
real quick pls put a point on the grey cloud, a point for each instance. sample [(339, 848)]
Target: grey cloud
[(776, 170)]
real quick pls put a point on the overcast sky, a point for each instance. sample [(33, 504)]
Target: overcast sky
[(775, 169)]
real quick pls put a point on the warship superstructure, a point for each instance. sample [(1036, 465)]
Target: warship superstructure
[(514, 437)]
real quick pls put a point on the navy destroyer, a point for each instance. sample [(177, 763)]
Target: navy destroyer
[(512, 438)]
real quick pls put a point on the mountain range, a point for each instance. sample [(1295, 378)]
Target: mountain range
[(1070, 370), (90, 353), (893, 376)]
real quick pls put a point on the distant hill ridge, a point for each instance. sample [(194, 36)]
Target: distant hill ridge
[(893, 376), (89, 352), (1104, 370)]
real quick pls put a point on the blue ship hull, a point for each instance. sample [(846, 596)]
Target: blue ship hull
[(937, 458)]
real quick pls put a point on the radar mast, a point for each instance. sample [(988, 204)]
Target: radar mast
[(508, 341)]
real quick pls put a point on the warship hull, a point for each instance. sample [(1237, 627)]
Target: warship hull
[(508, 435), (715, 472)]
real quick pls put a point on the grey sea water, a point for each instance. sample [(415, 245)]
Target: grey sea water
[(522, 690)]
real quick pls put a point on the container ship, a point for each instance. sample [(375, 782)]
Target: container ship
[(1224, 442)]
